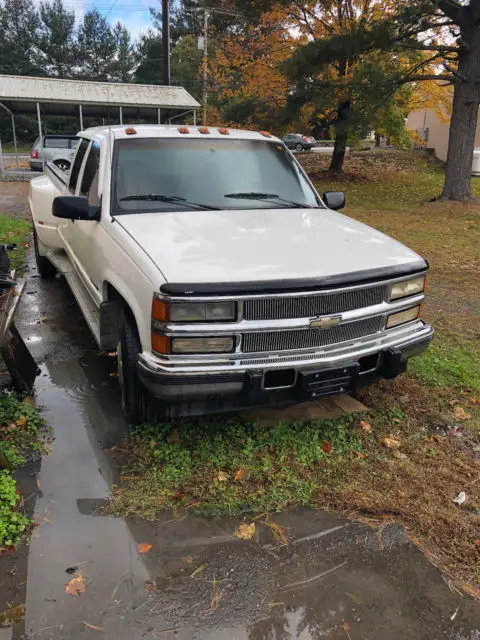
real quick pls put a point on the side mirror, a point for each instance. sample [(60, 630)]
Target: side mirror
[(334, 199), (74, 208)]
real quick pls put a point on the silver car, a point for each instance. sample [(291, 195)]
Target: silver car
[(58, 149)]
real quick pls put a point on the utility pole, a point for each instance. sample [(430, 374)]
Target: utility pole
[(205, 66), (166, 43)]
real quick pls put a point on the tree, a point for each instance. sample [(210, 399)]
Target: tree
[(186, 62), (97, 47), (125, 57), (150, 55), (19, 32), (447, 32), (57, 45), (245, 74)]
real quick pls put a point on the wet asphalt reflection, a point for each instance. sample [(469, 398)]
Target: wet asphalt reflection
[(335, 579)]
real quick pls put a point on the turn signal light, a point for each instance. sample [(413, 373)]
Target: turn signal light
[(159, 310), (160, 344), (183, 130)]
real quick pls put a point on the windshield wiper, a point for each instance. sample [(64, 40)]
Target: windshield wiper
[(159, 197), (258, 195)]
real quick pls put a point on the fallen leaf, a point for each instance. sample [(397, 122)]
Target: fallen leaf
[(144, 547), (391, 443), (21, 422), (76, 586), (346, 626), (200, 568), (461, 414), (245, 531), (399, 455), (222, 476), (475, 401), (189, 559), (355, 598), (239, 475), (365, 426), (28, 400), (92, 626), (460, 498), (327, 446)]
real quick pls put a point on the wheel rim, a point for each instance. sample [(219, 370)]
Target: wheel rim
[(63, 166), (299, 147)]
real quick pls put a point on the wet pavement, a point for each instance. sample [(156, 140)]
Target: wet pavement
[(334, 579)]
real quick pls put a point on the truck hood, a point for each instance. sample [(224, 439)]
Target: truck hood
[(247, 246)]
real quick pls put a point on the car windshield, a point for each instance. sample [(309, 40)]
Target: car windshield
[(175, 174)]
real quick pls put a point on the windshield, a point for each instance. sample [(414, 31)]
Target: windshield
[(175, 174)]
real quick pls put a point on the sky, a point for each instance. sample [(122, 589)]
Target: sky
[(134, 14)]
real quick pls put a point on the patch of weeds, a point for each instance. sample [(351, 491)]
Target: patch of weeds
[(445, 364), (12, 522), (228, 466), (20, 429), (15, 231)]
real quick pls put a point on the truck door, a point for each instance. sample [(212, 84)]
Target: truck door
[(81, 237)]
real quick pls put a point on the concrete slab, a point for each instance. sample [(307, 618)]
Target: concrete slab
[(325, 408)]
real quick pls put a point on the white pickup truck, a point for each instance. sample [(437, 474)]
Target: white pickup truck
[(206, 258)]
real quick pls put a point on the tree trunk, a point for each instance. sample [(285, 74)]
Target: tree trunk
[(341, 137), (377, 139), (463, 123), (339, 150)]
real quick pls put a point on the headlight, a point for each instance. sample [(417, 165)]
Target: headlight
[(164, 311), (402, 317), (202, 311), (407, 288), (202, 345)]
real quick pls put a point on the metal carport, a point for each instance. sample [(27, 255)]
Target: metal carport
[(81, 98)]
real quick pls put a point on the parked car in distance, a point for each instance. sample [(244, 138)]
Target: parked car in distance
[(59, 149), (298, 142), (207, 261)]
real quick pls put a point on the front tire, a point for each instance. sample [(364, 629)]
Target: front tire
[(138, 404), (299, 147), (45, 268)]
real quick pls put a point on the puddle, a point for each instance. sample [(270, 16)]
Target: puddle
[(334, 579)]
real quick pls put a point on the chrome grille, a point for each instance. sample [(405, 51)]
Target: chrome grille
[(309, 338), (313, 305)]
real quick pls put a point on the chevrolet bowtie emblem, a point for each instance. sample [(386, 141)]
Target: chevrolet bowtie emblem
[(326, 322)]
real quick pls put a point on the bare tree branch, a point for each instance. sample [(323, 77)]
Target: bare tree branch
[(423, 78), (424, 47)]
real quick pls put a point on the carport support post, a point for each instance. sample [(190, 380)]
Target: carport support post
[(159, 116), (39, 118), (121, 115), (194, 117), (14, 139), (80, 113)]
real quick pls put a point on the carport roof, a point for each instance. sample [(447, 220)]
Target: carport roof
[(22, 89)]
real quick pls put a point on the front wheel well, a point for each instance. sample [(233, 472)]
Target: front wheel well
[(111, 311)]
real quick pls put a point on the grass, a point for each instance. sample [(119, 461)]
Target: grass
[(21, 431), (228, 465), (218, 466), (22, 148), (15, 231)]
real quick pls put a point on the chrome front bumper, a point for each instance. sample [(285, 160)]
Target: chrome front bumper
[(193, 377)]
